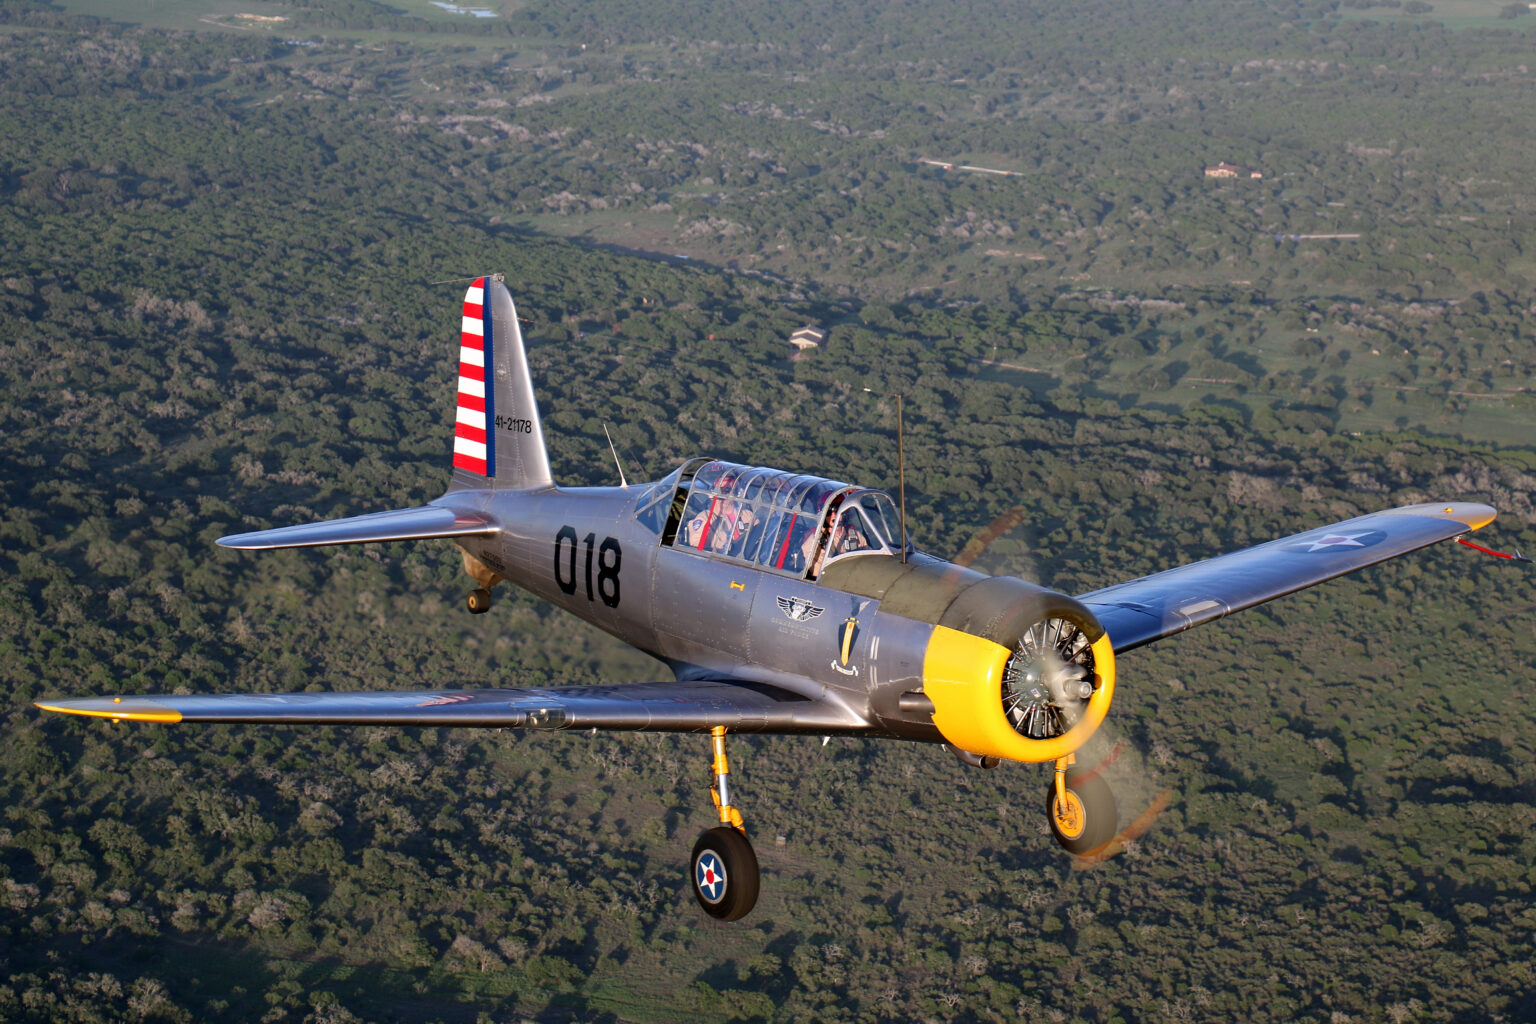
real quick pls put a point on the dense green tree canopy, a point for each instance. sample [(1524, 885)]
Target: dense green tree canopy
[(230, 258)]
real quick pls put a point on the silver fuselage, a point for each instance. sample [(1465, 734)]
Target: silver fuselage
[(582, 550)]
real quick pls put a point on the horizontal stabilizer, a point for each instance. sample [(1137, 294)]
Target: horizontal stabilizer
[(402, 524), (1153, 607), (694, 706)]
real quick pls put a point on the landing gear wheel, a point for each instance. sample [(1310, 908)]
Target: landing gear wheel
[(479, 601), (1086, 821), (725, 875)]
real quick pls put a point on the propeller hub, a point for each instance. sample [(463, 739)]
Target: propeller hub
[(1048, 679)]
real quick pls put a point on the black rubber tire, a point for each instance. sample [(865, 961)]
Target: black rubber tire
[(479, 601), (724, 875), (1099, 812)]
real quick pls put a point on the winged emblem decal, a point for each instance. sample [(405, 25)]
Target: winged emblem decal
[(798, 609)]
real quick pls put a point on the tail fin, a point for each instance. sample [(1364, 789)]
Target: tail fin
[(498, 441)]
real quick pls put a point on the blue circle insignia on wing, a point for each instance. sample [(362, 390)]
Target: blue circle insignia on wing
[(1339, 540)]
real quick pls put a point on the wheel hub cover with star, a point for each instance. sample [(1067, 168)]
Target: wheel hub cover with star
[(709, 876)]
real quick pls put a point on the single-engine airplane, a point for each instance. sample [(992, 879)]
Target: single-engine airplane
[(783, 603)]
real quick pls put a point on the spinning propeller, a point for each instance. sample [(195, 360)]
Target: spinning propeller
[(1046, 686)]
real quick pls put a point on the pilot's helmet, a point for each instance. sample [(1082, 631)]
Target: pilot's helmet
[(834, 497)]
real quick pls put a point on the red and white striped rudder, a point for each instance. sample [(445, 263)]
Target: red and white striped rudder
[(498, 441), (472, 445)]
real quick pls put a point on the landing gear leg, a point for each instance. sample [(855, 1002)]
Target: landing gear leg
[(725, 875), (479, 601), (1080, 808)]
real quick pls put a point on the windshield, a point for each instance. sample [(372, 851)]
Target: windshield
[(655, 502), (883, 516), (852, 534)]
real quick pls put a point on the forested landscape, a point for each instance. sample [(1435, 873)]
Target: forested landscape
[(233, 238)]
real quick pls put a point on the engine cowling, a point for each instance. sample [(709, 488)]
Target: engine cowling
[(1019, 672)]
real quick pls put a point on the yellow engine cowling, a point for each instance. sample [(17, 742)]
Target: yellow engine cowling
[(963, 677)]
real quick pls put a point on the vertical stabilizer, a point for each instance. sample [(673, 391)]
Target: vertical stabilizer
[(498, 441)]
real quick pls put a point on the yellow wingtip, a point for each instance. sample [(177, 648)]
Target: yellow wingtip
[(1474, 515), (118, 712)]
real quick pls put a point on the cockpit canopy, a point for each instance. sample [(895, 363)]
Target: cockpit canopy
[(784, 522)]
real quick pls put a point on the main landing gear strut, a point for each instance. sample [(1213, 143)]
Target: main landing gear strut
[(1080, 807), (725, 875)]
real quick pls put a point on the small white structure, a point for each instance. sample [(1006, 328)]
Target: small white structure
[(808, 337)]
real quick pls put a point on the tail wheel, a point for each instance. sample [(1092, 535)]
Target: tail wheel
[(725, 875), (479, 601), (1086, 819)]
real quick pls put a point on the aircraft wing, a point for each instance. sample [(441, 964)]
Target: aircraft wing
[(1160, 605), (691, 706), (401, 524)]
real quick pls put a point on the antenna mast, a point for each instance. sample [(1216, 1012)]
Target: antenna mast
[(622, 482), (901, 468), (901, 476)]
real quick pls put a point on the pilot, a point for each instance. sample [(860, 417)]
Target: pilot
[(850, 535), (693, 529), (815, 545), (724, 528)]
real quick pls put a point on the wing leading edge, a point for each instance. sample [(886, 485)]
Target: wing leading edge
[(663, 707), (1152, 607)]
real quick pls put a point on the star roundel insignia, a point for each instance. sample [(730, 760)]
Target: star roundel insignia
[(709, 876), (1338, 541)]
